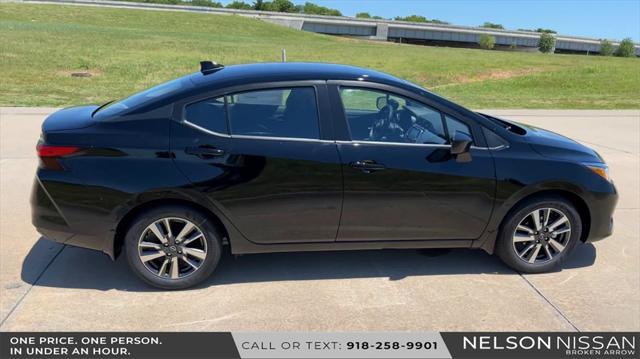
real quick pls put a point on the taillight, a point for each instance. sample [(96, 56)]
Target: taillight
[(49, 155), (55, 151)]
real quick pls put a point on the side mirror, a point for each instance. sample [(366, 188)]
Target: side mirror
[(460, 146), (381, 102)]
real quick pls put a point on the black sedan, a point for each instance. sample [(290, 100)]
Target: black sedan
[(281, 157)]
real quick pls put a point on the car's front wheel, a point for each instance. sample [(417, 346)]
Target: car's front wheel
[(539, 234), (173, 247)]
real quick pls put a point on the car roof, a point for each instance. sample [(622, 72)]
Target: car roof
[(270, 72), (293, 71)]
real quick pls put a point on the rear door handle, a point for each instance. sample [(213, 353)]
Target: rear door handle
[(205, 151), (367, 166)]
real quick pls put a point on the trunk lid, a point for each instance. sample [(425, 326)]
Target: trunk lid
[(69, 119)]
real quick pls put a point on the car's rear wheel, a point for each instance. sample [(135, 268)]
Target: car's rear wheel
[(173, 247), (539, 234)]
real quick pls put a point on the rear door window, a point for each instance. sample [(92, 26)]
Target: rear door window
[(288, 113), (208, 114)]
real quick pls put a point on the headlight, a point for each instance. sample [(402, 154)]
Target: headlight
[(601, 169)]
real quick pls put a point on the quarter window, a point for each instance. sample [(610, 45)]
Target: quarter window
[(380, 116), (288, 113), (208, 114)]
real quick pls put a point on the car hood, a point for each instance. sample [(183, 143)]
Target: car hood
[(553, 145), (69, 119)]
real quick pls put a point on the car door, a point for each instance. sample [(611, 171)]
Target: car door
[(400, 180), (264, 158)]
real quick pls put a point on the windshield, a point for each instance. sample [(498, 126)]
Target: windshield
[(140, 97), (509, 126)]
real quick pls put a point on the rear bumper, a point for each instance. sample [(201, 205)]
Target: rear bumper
[(49, 220), (602, 206)]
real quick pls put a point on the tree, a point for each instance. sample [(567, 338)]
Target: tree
[(547, 42), (363, 15), (490, 25), (282, 6), (549, 31), (241, 5), (626, 48), (207, 3), (313, 9), (487, 41), (606, 48), (416, 18), (412, 18)]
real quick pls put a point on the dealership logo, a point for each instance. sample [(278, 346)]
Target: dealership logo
[(580, 344)]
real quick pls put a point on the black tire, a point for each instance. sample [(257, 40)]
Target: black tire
[(209, 230), (506, 249)]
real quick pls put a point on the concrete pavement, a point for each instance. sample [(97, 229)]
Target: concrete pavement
[(46, 286)]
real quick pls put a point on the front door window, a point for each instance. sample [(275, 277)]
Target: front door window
[(377, 116)]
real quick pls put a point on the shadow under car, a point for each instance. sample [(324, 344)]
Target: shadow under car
[(82, 268)]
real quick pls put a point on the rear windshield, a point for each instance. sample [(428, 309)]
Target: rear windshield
[(140, 98)]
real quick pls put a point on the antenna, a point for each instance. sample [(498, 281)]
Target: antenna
[(207, 67)]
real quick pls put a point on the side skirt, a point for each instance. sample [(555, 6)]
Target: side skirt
[(246, 247)]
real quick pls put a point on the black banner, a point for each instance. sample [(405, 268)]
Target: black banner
[(194, 345), (117, 345)]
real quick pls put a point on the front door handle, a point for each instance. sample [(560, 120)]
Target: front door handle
[(205, 151), (367, 166)]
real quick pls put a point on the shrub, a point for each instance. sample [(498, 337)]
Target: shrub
[(626, 48), (363, 15), (487, 41), (490, 25), (547, 42), (606, 48), (240, 5)]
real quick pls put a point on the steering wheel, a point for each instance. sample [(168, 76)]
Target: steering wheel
[(386, 126)]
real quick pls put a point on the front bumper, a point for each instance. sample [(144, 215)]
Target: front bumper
[(601, 208)]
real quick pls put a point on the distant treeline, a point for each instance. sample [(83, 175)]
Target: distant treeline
[(285, 6), (275, 5), (308, 8), (626, 48)]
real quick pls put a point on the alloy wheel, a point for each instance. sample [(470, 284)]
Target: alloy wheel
[(172, 248), (541, 235)]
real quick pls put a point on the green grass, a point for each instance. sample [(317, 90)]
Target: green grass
[(129, 50)]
